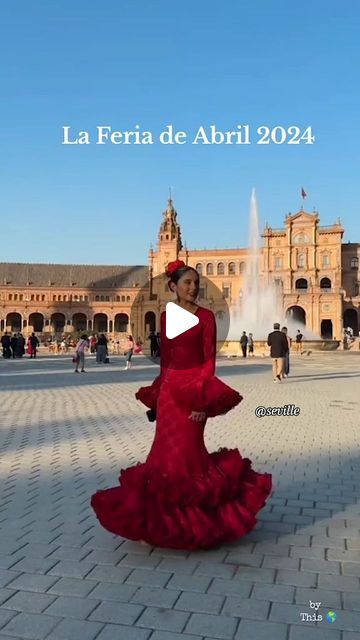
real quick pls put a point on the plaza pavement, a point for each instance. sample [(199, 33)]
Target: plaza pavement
[(62, 577)]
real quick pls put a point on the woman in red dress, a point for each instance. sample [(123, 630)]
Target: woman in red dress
[(184, 497)]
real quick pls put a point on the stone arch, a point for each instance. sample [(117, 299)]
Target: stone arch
[(36, 321), (351, 319), (58, 322), (79, 322), (121, 323), (100, 323), (297, 314), (326, 329), (150, 321), (14, 322)]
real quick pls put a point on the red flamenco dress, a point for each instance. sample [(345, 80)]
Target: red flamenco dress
[(184, 497)]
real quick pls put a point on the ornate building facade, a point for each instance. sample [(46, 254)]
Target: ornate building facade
[(316, 275)]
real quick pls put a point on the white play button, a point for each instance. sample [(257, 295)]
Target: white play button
[(178, 320)]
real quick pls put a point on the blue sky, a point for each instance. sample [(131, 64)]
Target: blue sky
[(152, 63)]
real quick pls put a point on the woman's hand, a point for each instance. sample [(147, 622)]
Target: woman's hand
[(198, 416)]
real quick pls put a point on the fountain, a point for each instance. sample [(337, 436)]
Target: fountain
[(261, 304)]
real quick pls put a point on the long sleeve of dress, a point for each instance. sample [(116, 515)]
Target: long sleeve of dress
[(199, 389)]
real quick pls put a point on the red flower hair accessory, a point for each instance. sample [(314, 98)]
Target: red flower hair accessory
[(173, 266)]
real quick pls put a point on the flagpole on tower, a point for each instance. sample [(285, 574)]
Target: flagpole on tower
[(303, 196)]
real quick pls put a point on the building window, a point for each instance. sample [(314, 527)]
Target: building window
[(232, 269), (210, 269), (123, 297), (97, 298), (242, 267), (221, 269), (301, 261), (117, 298), (325, 261), (32, 296), (54, 298), (65, 298), (127, 298), (199, 268), (226, 292), (15, 296), (86, 298), (107, 298), (21, 297), (201, 293), (43, 298), (10, 296), (354, 263), (278, 263)]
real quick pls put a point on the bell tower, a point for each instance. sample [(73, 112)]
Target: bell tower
[(169, 239)]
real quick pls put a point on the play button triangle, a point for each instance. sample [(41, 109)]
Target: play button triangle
[(178, 320)]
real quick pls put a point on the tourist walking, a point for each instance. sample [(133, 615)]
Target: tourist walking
[(101, 349), (243, 343), (20, 346), (287, 354), (278, 344), (129, 350), (184, 497), (6, 345), (251, 345), (33, 345), (153, 344), (81, 347), (298, 342), (13, 344)]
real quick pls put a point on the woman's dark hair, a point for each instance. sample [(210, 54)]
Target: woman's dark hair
[(83, 337), (178, 273), (130, 337)]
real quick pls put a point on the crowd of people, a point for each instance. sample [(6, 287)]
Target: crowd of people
[(280, 347), (15, 345)]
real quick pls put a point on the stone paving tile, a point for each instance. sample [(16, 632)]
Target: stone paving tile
[(112, 591), (30, 626), (144, 578), (75, 630), (71, 569), (219, 626), (200, 603), (7, 576), (72, 587), (119, 613), (5, 616), (35, 565), (69, 607), (327, 598), (104, 573), (163, 619), (28, 602), (37, 583), (156, 597), (183, 582), (261, 630), (273, 592), (246, 608), (120, 632)]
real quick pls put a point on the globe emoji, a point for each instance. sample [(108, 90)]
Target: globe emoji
[(331, 616)]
